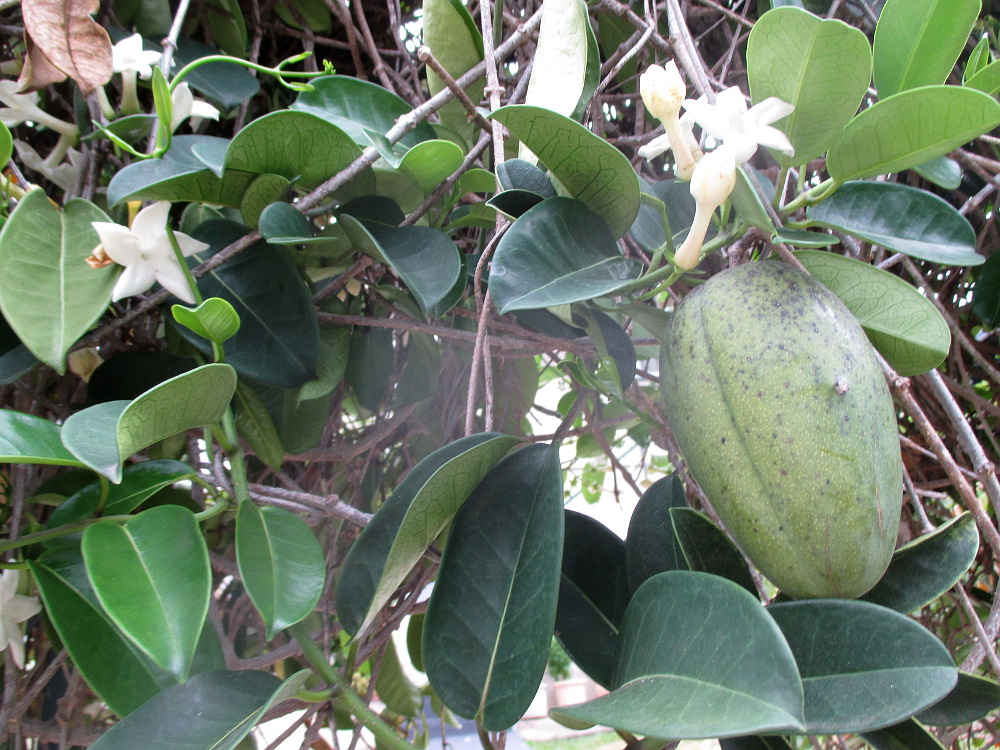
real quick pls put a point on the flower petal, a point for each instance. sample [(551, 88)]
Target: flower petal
[(11, 636), (172, 278), (189, 245), (770, 137), (150, 223), (21, 608), (135, 279), (657, 146), (712, 119), (770, 110), (119, 243)]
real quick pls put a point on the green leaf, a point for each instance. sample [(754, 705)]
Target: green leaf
[(103, 436), (557, 253), (675, 195), (651, 546), (433, 505), (229, 85), (214, 319), (455, 41), (278, 339), (27, 439), (746, 200), (282, 224), (518, 174), (917, 42), (281, 564), (910, 128), (902, 219), (299, 424), (942, 171), (393, 686), (986, 292), (300, 146), (114, 668), (804, 238), (153, 579), (366, 560), (179, 175), (256, 427), (359, 107), (986, 80), (227, 26), (429, 163), (490, 618), (48, 294), (863, 666), (311, 15), (593, 593), (708, 549), (592, 170), (426, 259), (900, 322), (972, 698), (691, 640), (559, 71), (924, 569), (6, 144), (822, 67), (219, 709), (907, 735), (261, 193), (139, 482), (334, 348)]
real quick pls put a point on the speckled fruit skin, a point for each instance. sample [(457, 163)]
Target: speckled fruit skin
[(781, 410)]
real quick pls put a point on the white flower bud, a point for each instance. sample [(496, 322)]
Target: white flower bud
[(662, 90), (711, 185)]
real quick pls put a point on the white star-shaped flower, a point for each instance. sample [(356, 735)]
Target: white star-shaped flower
[(730, 122), (128, 55), (147, 254), (63, 173), (14, 609), (184, 105), (24, 107)]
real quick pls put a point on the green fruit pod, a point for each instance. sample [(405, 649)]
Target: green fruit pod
[(780, 408)]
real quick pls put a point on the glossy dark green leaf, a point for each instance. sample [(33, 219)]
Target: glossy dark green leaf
[(113, 667), (49, 295), (613, 342), (229, 85), (706, 548), (863, 666), (25, 438), (426, 259), (334, 351), (261, 193), (747, 201), (972, 698), (514, 203), (430, 163), (421, 373), (593, 593), (369, 365), (299, 423), (366, 560), (278, 340), (15, 358), (281, 223), (432, 507), (986, 292), (648, 229), (900, 322), (214, 319), (490, 618), (179, 175), (592, 170), (139, 482), (518, 174), (219, 709), (651, 546), (907, 735), (103, 436), (691, 640), (127, 375), (917, 42), (153, 579), (281, 564), (909, 128), (299, 146), (557, 253), (902, 219), (356, 106), (924, 569), (754, 743), (821, 67)]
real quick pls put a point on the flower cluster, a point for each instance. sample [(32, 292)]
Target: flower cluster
[(738, 131)]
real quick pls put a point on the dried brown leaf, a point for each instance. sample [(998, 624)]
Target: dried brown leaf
[(72, 41), (38, 70)]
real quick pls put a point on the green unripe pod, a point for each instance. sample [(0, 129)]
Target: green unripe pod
[(780, 408)]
